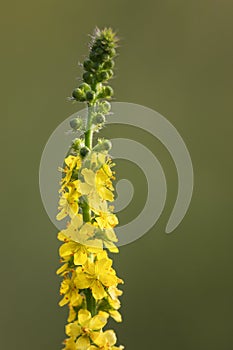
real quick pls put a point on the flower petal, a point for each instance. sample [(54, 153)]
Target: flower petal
[(98, 290), (83, 343), (83, 316)]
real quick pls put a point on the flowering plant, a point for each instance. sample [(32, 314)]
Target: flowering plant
[(90, 284)]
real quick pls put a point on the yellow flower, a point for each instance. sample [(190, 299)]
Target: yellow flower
[(97, 275), (82, 233), (104, 183), (72, 163), (97, 182), (70, 291), (86, 329), (78, 251), (72, 227), (98, 158), (106, 339), (106, 219), (68, 202)]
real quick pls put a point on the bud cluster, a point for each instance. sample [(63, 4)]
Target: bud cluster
[(98, 68)]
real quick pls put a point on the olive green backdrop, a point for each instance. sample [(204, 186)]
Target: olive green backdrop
[(175, 57)]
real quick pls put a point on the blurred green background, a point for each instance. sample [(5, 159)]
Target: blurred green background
[(176, 58)]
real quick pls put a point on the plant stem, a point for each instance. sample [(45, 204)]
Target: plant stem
[(88, 143), (91, 303), (89, 132)]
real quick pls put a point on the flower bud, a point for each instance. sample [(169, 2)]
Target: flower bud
[(84, 87), (79, 95), (88, 77), (77, 144), (104, 107), (94, 56), (105, 57), (99, 51), (90, 95), (108, 65), (76, 123), (110, 74), (106, 92), (103, 145), (84, 151), (112, 52), (102, 76), (107, 145), (98, 119), (87, 64)]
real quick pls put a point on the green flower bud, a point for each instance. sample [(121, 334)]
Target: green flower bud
[(110, 74), (84, 151), (108, 64), (104, 107), (90, 66), (107, 145), (106, 92), (105, 57), (94, 56), (102, 76), (99, 51), (96, 65), (88, 77), (87, 64), (112, 52), (76, 123), (90, 95), (85, 87), (98, 119), (77, 144), (79, 95), (103, 145)]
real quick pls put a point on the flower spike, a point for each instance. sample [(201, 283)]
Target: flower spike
[(90, 283)]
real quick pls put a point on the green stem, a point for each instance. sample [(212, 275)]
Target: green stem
[(89, 132), (86, 211), (91, 302), (88, 143)]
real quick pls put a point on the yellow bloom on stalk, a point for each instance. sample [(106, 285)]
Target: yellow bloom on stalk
[(104, 184), (72, 163), (99, 182), (86, 329), (106, 340), (70, 292), (68, 202), (106, 220), (83, 233), (78, 251), (97, 276)]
